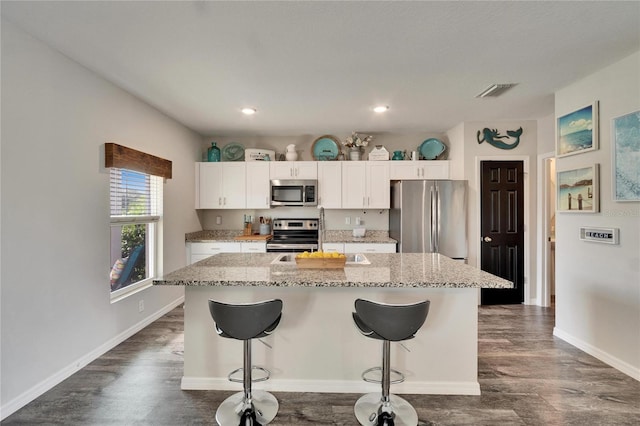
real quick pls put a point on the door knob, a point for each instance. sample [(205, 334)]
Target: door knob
[(487, 239)]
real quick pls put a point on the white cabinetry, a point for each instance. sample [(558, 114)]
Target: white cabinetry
[(253, 247), (257, 184), (220, 185), (199, 251), (330, 184), (294, 170), (418, 170), (333, 247), (369, 248), (365, 184)]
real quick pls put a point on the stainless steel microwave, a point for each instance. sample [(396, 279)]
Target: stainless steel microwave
[(296, 193)]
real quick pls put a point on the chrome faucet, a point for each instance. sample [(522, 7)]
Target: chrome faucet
[(321, 229)]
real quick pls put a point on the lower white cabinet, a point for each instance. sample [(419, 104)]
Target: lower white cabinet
[(359, 247), (253, 247), (333, 247), (199, 251), (369, 248)]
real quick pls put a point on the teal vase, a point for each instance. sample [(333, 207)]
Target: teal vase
[(397, 155), (213, 153)]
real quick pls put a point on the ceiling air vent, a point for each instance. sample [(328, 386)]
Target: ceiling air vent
[(495, 90)]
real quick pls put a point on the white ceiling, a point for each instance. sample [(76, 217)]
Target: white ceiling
[(319, 67)]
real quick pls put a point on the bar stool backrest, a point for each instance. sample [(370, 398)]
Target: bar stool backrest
[(392, 322), (246, 321)]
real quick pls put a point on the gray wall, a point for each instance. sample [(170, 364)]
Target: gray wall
[(56, 310), (598, 285)]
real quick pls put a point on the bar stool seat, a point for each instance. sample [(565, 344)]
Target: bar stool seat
[(245, 322), (389, 323)]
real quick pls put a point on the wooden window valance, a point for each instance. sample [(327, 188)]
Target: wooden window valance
[(126, 158)]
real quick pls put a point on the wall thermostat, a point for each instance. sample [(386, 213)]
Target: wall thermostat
[(600, 235)]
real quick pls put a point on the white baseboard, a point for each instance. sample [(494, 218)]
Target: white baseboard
[(334, 386), (626, 368), (35, 391)]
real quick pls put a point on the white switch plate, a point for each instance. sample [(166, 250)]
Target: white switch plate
[(347, 220), (218, 220), (358, 220)]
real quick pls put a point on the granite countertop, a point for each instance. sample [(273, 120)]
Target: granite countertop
[(347, 237), (228, 235), (386, 270)]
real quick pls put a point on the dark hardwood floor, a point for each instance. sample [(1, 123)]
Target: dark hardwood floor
[(527, 377)]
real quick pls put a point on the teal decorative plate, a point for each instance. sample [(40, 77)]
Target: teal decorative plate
[(325, 148), (232, 152), (431, 148)]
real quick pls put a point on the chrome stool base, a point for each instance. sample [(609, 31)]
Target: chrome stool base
[(230, 411), (370, 405)]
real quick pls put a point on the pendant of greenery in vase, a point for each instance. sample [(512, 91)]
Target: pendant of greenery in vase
[(355, 153)]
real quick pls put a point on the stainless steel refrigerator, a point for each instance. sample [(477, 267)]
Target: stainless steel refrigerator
[(430, 216)]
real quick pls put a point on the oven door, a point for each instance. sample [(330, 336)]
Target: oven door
[(290, 248)]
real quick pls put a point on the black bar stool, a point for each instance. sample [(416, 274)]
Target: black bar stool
[(246, 322), (389, 323)]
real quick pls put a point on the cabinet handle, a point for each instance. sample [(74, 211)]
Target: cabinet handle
[(291, 172), (215, 248), (219, 201), (364, 201), (368, 201), (224, 199), (296, 172)]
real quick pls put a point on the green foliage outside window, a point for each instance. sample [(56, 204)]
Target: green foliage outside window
[(132, 237)]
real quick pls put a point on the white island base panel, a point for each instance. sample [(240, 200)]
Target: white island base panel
[(317, 348)]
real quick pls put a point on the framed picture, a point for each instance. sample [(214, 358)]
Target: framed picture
[(626, 157), (577, 132), (578, 190)]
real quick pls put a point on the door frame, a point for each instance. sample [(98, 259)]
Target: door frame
[(527, 207), (543, 285)]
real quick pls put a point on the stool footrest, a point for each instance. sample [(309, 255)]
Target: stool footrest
[(368, 377), (266, 374)]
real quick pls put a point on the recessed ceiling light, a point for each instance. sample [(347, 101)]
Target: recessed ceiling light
[(381, 108), (249, 111)]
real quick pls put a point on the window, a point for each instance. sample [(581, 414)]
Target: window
[(136, 217)]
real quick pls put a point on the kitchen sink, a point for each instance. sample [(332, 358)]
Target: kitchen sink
[(290, 259)]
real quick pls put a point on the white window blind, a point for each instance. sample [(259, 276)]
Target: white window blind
[(135, 196)]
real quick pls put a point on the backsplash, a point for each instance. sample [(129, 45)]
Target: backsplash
[(371, 219)]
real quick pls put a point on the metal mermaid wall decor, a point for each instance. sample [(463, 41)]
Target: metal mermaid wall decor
[(493, 137)]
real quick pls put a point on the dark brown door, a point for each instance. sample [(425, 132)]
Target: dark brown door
[(502, 228)]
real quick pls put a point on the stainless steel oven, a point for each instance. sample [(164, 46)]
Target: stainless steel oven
[(298, 193), (294, 236)]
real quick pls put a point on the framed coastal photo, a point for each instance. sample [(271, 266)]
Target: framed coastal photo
[(626, 157), (577, 132), (578, 190)]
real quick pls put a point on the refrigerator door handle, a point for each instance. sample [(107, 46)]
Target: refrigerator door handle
[(434, 215)]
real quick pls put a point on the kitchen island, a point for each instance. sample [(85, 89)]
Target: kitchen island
[(316, 347)]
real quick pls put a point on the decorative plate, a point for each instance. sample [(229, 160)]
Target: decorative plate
[(232, 152), (431, 148), (325, 148)]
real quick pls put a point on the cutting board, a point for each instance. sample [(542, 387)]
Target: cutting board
[(255, 237)]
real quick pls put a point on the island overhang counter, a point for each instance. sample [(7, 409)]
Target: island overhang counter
[(316, 347)]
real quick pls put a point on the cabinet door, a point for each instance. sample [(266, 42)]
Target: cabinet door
[(257, 184), (208, 185), (354, 184), (330, 184), (254, 247), (379, 185), (199, 251), (306, 170), (369, 248), (436, 169), (333, 247), (405, 170), (281, 169), (234, 185)]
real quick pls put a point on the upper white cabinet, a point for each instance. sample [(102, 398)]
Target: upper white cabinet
[(221, 185), (294, 170), (257, 184), (419, 170), (365, 184), (330, 184)]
